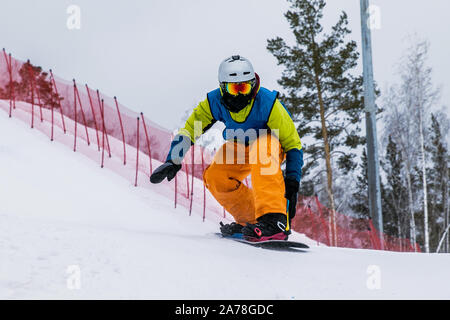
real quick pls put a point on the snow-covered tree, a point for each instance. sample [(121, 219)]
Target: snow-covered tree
[(395, 194), (439, 186), (408, 107), (419, 96), (399, 125)]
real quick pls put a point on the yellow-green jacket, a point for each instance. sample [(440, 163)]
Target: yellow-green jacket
[(265, 111)]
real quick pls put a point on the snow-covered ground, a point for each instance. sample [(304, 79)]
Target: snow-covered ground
[(70, 230)]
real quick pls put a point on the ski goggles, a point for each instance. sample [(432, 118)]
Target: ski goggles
[(234, 88)]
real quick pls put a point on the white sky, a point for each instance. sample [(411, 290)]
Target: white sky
[(161, 56)]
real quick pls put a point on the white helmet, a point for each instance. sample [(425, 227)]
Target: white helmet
[(236, 69)]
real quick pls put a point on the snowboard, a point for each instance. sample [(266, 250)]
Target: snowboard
[(279, 245)]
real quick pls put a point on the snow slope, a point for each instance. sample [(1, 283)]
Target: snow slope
[(59, 209)]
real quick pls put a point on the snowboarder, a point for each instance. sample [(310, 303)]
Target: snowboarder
[(259, 134)]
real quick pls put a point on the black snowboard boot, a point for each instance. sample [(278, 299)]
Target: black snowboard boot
[(271, 226), (231, 229)]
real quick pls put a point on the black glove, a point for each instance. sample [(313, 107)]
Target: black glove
[(167, 170), (291, 186)]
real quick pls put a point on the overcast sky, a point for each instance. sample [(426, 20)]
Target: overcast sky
[(161, 56)]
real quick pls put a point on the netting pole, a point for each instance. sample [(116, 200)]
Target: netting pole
[(12, 82), (9, 68), (51, 110), (176, 182), (93, 116), (176, 185), (148, 143), (32, 93), (192, 183), (59, 101), (137, 151), (102, 113), (418, 248), (83, 116), (314, 235), (123, 134), (318, 219), (204, 187), (33, 89), (411, 248), (187, 179), (103, 133), (75, 119), (40, 104), (319, 207)]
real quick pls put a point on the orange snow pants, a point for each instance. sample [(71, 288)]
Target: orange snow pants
[(232, 163)]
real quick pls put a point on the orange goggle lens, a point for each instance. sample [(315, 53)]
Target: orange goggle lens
[(234, 88)]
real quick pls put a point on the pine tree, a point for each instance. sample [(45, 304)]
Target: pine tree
[(33, 76), (439, 181), (391, 193), (325, 99), (360, 203), (394, 195), (398, 126)]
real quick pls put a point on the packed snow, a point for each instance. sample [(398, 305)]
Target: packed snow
[(71, 230)]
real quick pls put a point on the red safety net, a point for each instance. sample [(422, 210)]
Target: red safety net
[(315, 220), (132, 145)]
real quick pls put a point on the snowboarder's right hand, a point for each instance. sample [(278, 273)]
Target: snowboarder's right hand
[(167, 170), (291, 187)]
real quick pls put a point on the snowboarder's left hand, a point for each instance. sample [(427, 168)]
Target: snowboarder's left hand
[(291, 186), (167, 170)]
